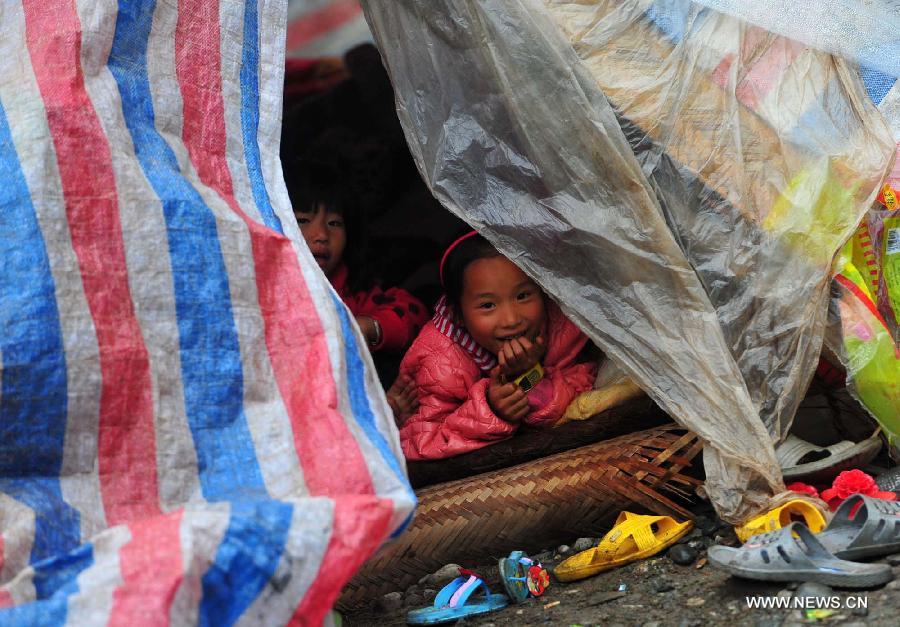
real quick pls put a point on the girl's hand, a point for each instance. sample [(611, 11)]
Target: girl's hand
[(507, 400), (518, 356), (403, 397)]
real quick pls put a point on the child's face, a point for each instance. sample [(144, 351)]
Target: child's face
[(325, 235), (499, 302)]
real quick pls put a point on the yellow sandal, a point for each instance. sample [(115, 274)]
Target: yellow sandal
[(782, 517), (633, 538)]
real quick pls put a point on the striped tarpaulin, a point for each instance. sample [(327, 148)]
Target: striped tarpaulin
[(190, 427)]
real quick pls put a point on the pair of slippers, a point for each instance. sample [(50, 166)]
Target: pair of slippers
[(521, 576), (862, 527)]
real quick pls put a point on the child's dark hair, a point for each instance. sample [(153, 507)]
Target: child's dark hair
[(454, 267), (318, 180)]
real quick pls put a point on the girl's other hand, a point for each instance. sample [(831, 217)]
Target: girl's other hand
[(520, 355), (403, 397), (507, 400)]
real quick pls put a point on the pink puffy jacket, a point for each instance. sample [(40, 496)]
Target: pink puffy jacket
[(454, 416)]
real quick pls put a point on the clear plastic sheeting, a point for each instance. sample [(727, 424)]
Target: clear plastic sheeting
[(865, 31), (679, 186)]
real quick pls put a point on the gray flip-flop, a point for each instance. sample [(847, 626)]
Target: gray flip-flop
[(841, 456), (779, 556), (873, 530), (889, 480)]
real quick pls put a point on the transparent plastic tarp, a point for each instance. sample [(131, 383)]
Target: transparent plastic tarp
[(678, 180), (864, 31)]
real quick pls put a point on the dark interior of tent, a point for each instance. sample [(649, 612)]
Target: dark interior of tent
[(341, 112)]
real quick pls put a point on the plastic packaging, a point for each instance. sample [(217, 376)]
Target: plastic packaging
[(678, 181)]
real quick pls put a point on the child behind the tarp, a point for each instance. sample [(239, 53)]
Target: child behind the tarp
[(333, 225), (494, 335)]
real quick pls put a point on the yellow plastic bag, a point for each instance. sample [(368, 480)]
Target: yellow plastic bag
[(869, 352)]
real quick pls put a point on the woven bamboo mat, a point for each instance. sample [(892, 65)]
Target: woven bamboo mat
[(532, 444), (532, 506)]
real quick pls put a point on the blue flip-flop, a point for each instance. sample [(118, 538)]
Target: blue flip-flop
[(514, 577), (455, 602)]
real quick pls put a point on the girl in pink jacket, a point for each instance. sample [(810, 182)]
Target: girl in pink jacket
[(497, 354)]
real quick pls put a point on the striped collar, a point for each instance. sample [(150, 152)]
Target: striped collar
[(443, 321)]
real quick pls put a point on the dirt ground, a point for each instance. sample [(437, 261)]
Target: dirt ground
[(657, 592)]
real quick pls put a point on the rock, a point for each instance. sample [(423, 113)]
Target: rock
[(860, 611), (792, 585), (562, 549), (813, 590), (663, 586), (721, 524), (391, 602), (413, 589), (695, 602), (855, 623), (894, 585), (787, 594), (706, 525), (414, 600), (583, 544), (893, 560), (682, 554), (652, 623), (697, 545), (544, 556), (441, 577), (726, 540), (428, 595), (768, 622)]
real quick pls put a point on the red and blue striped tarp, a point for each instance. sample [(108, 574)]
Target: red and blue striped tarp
[(190, 427)]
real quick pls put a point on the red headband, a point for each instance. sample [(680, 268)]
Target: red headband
[(449, 250)]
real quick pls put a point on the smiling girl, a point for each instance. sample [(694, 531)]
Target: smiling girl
[(496, 355)]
